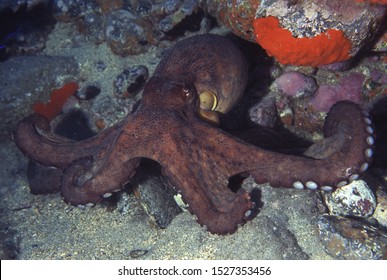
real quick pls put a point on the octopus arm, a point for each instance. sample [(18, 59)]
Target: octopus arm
[(92, 178), (34, 138), (331, 165), (215, 206)]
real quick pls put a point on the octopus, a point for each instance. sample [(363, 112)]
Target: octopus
[(199, 79)]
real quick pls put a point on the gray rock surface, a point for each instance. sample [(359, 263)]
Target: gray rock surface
[(27, 79)]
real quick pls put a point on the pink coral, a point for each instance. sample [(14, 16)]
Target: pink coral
[(349, 88)]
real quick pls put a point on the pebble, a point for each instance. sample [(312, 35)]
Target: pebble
[(90, 92), (377, 180), (138, 253), (13, 164), (380, 213), (264, 113), (128, 29), (348, 239), (41, 179), (124, 203), (295, 84), (92, 25), (100, 66), (9, 242), (354, 200), (125, 34), (130, 81)]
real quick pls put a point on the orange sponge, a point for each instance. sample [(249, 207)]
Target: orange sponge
[(58, 98), (325, 48)]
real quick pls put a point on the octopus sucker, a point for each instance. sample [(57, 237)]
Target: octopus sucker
[(197, 157)]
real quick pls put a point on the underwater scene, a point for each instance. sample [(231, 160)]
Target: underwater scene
[(193, 130)]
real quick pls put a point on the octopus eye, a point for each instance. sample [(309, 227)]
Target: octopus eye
[(208, 100), (188, 94)]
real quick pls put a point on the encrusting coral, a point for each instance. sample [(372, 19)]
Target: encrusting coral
[(58, 98), (310, 33), (325, 48)]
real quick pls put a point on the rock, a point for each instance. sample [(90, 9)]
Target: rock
[(264, 113), (12, 167), (92, 25), (354, 200), (294, 84), (125, 202), (348, 239), (130, 81), (25, 26), (377, 180), (138, 253), (89, 92), (125, 34), (130, 27), (380, 213), (9, 244), (155, 194), (28, 79), (316, 32), (349, 87)]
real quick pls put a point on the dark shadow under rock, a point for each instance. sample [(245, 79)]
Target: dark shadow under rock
[(155, 193)]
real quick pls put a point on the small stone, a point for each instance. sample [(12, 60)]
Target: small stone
[(125, 34), (285, 112), (171, 6), (349, 239), (9, 242), (380, 213), (104, 106), (90, 92), (180, 202), (355, 200), (124, 203), (100, 65), (41, 179), (294, 84), (138, 253), (92, 25), (264, 113), (136, 76), (130, 82), (119, 83)]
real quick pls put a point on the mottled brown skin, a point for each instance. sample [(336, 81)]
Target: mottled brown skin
[(196, 157), (211, 64)]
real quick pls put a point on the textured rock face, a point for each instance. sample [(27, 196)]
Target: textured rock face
[(129, 27), (324, 31), (351, 240), (23, 85)]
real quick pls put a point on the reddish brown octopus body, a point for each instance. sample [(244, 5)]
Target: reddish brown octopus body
[(196, 157)]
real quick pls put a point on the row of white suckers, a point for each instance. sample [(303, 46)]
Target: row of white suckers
[(368, 154)]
